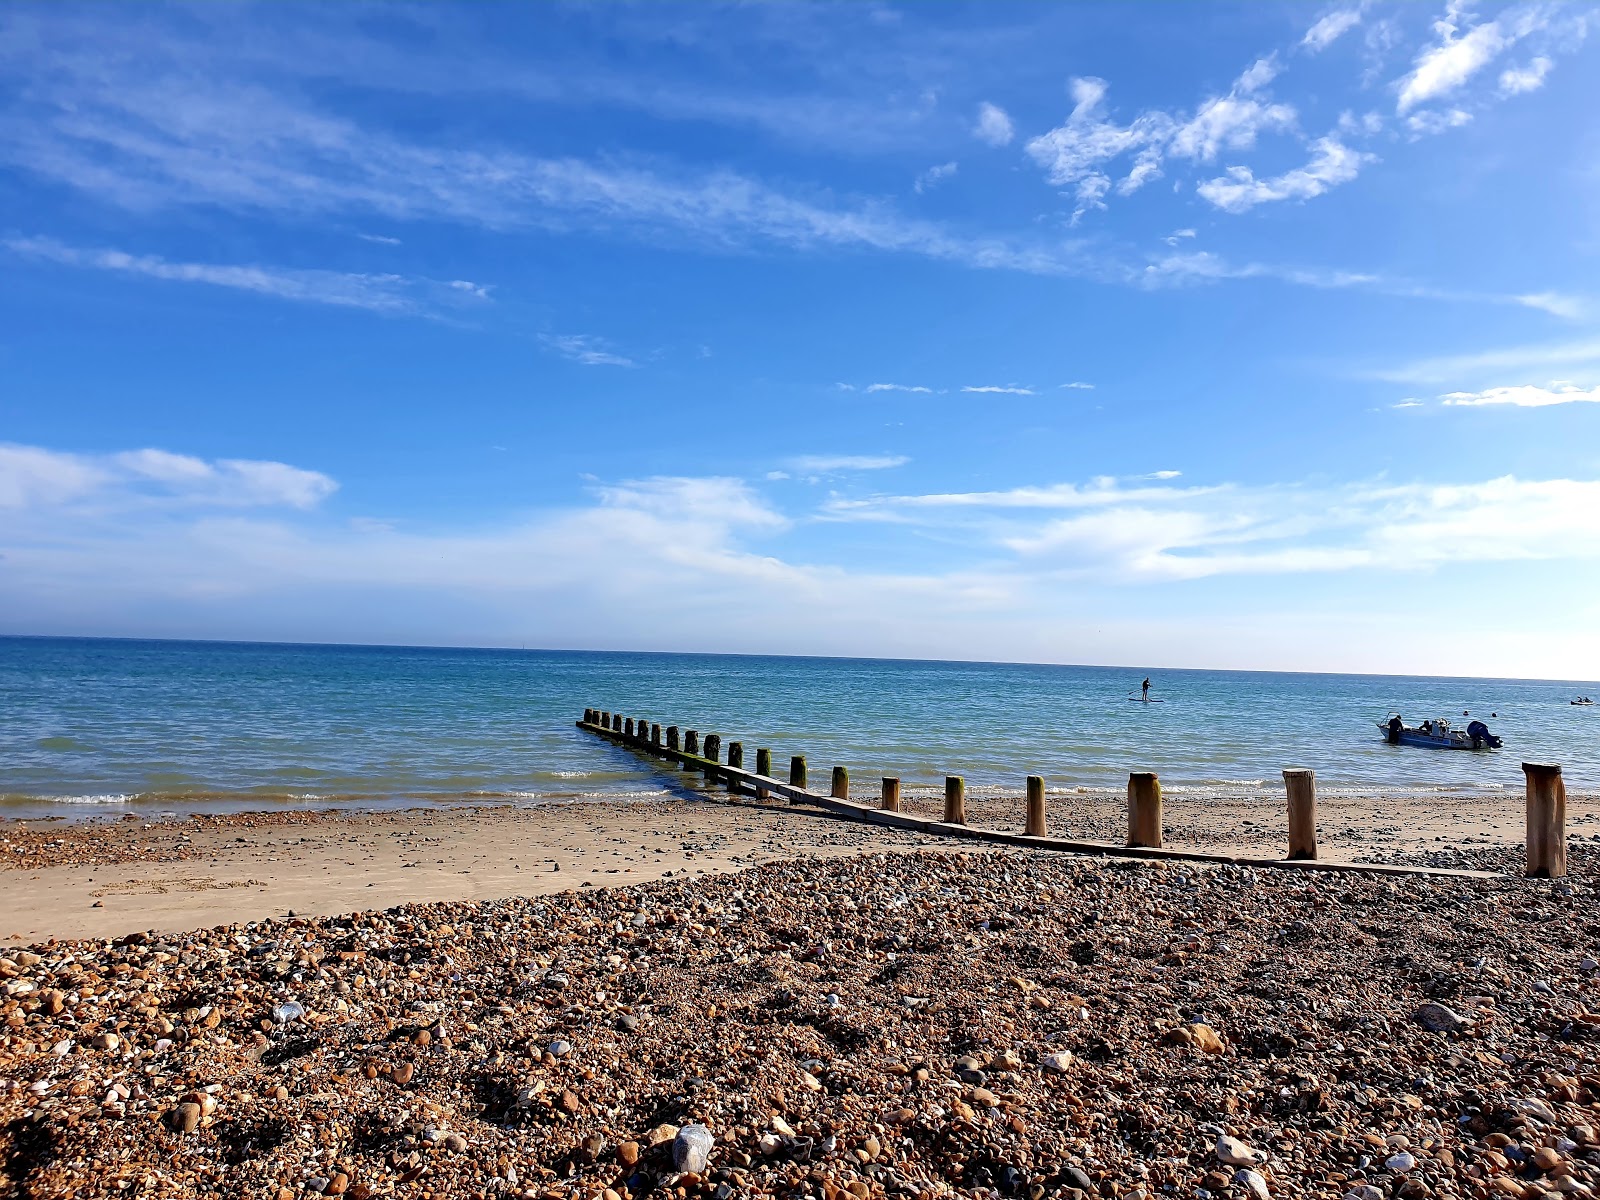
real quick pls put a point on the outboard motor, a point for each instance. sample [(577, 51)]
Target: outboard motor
[(1481, 737)]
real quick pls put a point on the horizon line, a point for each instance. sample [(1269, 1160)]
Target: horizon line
[(982, 662)]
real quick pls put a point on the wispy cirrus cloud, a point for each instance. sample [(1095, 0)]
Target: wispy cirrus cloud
[(32, 477), (389, 294), (1331, 163), (999, 390), (899, 387), (934, 176), (1330, 29), (1578, 356), (1153, 530), (827, 464), (586, 349)]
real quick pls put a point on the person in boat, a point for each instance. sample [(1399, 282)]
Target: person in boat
[(1395, 727), (1427, 727), (1144, 690)]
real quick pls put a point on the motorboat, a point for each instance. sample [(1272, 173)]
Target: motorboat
[(1438, 734)]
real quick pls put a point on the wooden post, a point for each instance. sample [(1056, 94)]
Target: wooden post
[(627, 727), (1036, 821), (605, 719), (641, 729), (1302, 789), (1144, 809), (841, 784), (736, 755), (672, 737), (955, 800), (655, 734), (891, 795), (691, 742), (712, 750), (797, 771), (588, 716), (764, 769), (1547, 821)]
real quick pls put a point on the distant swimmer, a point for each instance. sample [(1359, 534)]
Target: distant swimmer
[(1145, 690)]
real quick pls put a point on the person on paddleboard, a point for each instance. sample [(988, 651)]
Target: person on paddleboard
[(1144, 691)]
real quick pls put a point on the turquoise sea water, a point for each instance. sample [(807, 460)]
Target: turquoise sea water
[(97, 725)]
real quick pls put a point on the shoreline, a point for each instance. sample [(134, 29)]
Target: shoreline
[(111, 876)]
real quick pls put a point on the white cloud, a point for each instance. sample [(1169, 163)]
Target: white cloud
[(379, 238), (1456, 56), (669, 563), (36, 478), (1230, 122), (1516, 80), (994, 125), (1177, 236), (1086, 387), (1432, 120), (823, 464), (1004, 391), (1077, 153), (586, 349), (898, 387), (1525, 396), (1074, 150), (1330, 29), (32, 476), (1156, 531), (1331, 164), (1408, 402), (391, 294), (934, 176)]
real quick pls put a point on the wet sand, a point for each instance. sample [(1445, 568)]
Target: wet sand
[(108, 878)]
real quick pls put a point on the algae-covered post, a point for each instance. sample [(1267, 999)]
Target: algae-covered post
[(1547, 821), (840, 790), (672, 737), (763, 769), (891, 795), (1302, 788), (1144, 809), (627, 727), (1036, 822), (797, 771), (691, 742), (955, 800), (736, 755), (655, 734), (712, 751)]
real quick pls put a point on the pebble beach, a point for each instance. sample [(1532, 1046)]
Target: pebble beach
[(924, 1022)]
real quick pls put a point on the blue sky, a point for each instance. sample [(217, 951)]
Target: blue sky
[(1193, 335)]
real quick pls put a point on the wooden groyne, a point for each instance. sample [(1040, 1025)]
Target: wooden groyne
[(1546, 805)]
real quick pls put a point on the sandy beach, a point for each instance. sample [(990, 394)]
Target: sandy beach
[(107, 878)]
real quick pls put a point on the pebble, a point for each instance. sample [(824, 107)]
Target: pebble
[(715, 1013), (1236, 1153), (1439, 1018), (691, 1149)]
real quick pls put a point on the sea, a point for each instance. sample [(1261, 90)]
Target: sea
[(105, 726)]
